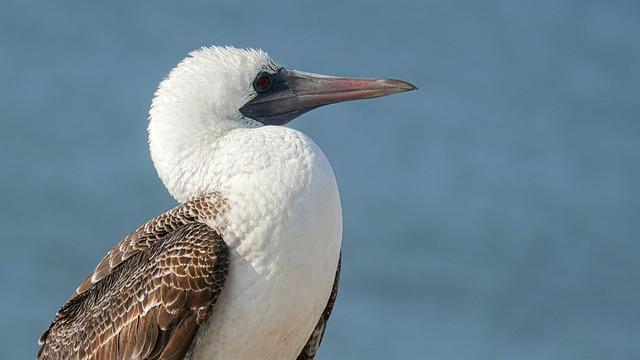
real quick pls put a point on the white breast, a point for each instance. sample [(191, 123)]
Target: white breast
[(284, 231)]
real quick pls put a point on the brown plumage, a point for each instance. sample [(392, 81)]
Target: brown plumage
[(196, 209), (149, 307), (149, 295)]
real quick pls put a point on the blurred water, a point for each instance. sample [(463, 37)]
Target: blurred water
[(490, 215)]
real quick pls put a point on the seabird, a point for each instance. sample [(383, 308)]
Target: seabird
[(247, 265)]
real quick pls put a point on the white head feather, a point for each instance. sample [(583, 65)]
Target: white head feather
[(197, 127), (197, 104)]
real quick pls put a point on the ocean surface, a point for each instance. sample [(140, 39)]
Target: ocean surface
[(492, 214)]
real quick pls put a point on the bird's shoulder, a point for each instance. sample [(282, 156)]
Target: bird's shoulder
[(151, 291), (196, 209)]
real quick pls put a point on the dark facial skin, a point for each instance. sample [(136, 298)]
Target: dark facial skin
[(286, 94)]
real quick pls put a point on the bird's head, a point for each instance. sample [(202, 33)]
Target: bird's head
[(247, 87), (279, 95), (218, 89)]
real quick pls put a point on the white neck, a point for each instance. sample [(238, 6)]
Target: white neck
[(183, 158), (194, 108)]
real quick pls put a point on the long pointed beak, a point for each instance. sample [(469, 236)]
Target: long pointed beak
[(292, 93)]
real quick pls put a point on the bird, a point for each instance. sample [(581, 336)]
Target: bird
[(247, 264)]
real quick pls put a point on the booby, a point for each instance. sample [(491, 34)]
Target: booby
[(247, 265)]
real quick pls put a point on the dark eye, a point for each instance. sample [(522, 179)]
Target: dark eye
[(262, 82)]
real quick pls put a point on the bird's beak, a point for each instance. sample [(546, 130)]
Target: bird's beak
[(292, 93)]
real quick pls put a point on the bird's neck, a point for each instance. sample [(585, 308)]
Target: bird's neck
[(193, 109), (184, 134)]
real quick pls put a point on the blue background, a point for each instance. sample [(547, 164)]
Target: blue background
[(493, 214)]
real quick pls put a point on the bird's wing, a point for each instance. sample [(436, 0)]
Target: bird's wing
[(149, 307), (208, 206), (150, 304), (310, 349)]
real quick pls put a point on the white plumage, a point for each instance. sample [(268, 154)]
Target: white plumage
[(246, 267), (284, 227)]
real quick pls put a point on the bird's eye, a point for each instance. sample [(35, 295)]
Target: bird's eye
[(262, 82)]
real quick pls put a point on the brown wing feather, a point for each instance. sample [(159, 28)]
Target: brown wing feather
[(149, 306), (198, 208), (311, 348)]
